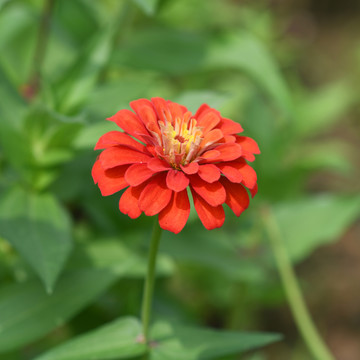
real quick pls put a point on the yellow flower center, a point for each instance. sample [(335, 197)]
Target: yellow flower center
[(180, 140)]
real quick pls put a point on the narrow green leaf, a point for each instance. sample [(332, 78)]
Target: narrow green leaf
[(310, 223), (28, 313), (245, 52), (187, 343), (117, 340), (38, 227), (148, 6)]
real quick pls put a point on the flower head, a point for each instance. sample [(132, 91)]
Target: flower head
[(163, 150)]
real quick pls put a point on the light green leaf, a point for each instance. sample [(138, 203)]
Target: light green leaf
[(322, 108), (187, 343), (193, 99), (39, 228), (148, 6), (79, 81), (310, 223), (117, 340), (28, 313), (245, 52)]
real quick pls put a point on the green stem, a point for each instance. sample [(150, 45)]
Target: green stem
[(296, 301), (149, 281)]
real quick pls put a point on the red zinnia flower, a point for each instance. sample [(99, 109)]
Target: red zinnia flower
[(163, 150)]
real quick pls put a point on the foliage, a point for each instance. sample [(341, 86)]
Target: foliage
[(71, 266)]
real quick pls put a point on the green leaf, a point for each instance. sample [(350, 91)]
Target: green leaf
[(28, 313), (193, 99), (117, 340), (187, 343), (80, 79), (321, 109), (310, 223), (163, 50), (245, 52), (39, 228), (148, 6)]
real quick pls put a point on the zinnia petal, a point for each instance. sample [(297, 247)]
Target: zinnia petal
[(155, 196), (176, 180), (136, 174), (191, 168), (176, 213), (121, 155), (110, 181), (213, 193), (210, 216), (130, 123), (209, 173), (114, 138), (237, 197), (129, 201)]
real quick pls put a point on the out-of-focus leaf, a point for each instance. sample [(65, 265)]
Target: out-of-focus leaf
[(79, 81), (148, 6), (112, 254), (18, 25), (39, 229), (245, 52), (310, 223), (193, 99), (175, 342), (117, 340), (164, 50), (28, 313), (222, 256), (324, 155), (322, 108)]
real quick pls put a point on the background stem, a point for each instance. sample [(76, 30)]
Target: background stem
[(149, 281), (296, 301)]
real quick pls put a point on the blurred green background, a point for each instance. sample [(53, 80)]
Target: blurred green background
[(288, 71)]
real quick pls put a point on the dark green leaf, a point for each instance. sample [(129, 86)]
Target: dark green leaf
[(309, 223), (187, 343), (28, 313), (117, 340), (39, 228)]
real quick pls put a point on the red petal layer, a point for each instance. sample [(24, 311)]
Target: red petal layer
[(209, 173), (129, 201), (176, 180), (248, 144), (231, 171), (201, 110), (146, 112), (211, 137), (130, 123), (176, 213), (155, 196), (121, 155), (158, 165), (211, 217), (254, 190), (136, 174), (109, 181), (237, 197), (213, 193), (162, 110), (229, 127), (227, 152), (176, 110), (208, 120), (191, 168), (248, 174), (114, 138)]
